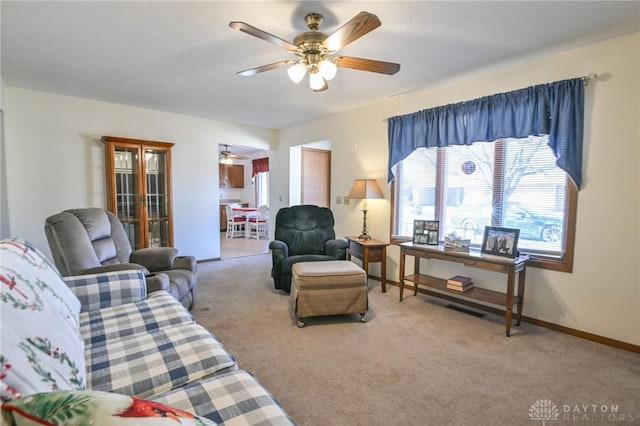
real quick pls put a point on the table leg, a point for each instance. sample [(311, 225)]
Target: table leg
[(365, 261), (383, 267), (509, 304), (521, 278), (401, 279), (416, 272)]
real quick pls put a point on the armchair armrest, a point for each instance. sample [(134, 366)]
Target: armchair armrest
[(185, 262), (115, 268), (96, 291), (279, 250), (155, 258), (336, 248), (157, 282)]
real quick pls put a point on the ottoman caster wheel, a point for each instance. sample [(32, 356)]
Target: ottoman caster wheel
[(300, 323), (362, 318)]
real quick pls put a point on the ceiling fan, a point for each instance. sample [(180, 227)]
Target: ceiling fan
[(316, 51), (227, 157)]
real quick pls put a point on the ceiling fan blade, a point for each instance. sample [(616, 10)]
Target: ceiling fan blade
[(256, 32), (371, 65), (263, 68), (225, 154), (237, 157), (361, 24)]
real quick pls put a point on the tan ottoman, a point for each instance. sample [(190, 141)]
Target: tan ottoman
[(331, 287)]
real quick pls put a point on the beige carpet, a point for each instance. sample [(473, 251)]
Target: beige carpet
[(414, 362)]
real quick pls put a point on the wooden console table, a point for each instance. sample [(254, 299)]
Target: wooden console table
[(370, 251), (438, 287)]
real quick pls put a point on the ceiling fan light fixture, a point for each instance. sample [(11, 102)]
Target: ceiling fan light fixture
[(315, 50), (316, 82), (328, 69), (297, 72)]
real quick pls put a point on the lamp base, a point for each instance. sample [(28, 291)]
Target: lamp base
[(364, 235)]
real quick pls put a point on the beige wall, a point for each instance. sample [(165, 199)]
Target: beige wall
[(4, 211), (56, 162), (602, 295)]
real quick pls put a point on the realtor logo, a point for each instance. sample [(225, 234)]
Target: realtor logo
[(543, 410)]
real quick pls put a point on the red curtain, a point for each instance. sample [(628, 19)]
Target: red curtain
[(260, 165)]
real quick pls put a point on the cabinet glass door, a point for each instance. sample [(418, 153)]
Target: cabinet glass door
[(157, 202), (139, 189), (128, 194)]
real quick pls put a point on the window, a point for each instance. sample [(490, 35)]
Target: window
[(261, 183), (512, 183)]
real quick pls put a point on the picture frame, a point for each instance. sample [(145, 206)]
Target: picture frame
[(500, 241), (426, 232)]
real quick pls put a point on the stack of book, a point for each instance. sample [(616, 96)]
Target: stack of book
[(459, 283)]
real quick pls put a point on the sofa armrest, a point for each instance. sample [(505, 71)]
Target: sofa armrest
[(185, 262), (336, 248), (97, 291), (155, 258)]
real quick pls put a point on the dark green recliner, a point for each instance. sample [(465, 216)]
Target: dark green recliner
[(303, 234)]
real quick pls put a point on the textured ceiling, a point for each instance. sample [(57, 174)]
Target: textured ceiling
[(182, 57)]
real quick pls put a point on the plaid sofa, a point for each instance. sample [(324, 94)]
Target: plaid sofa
[(102, 332)]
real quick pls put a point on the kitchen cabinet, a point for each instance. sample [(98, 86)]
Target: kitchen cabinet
[(231, 175)]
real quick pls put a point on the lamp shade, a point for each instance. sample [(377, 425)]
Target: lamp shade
[(297, 72), (316, 81), (363, 189), (328, 69)]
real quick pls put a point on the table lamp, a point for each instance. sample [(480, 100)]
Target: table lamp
[(364, 189)]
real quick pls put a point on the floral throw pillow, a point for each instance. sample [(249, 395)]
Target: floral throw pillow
[(41, 348), (80, 408)]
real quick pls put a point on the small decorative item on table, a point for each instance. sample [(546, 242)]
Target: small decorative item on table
[(455, 243), (500, 241), (426, 232)]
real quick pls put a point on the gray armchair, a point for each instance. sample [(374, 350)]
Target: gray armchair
[(303, 234), (92, 240)]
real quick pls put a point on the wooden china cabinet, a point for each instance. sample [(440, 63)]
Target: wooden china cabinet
[(139, 189)]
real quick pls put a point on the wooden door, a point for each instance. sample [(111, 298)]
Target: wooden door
[(316, 177)]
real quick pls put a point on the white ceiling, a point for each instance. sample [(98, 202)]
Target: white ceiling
[(182, 57)]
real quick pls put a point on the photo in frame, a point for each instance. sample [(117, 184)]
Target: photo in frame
[(426, 232), (500, 241)]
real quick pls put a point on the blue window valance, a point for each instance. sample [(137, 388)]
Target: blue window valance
[(553, 109)]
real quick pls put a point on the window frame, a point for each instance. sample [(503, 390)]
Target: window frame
[(561, 264)]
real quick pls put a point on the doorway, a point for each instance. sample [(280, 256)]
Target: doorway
[(242, 189)]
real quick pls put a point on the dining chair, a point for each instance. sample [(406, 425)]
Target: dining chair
[(236, 223), (259, 223)]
